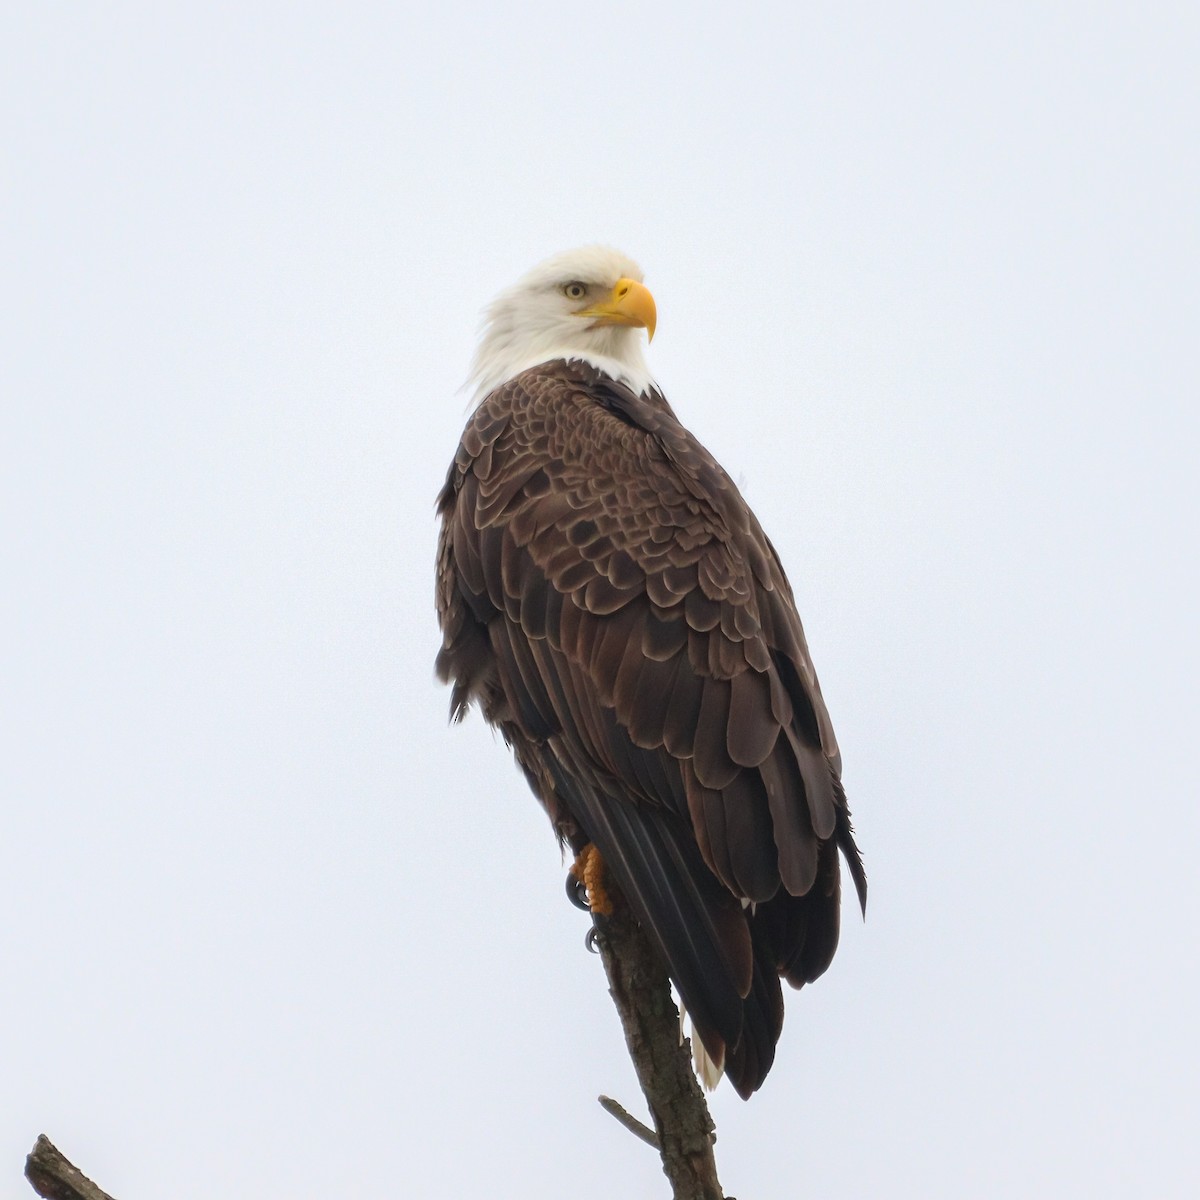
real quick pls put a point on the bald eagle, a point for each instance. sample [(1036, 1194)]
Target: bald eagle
[(612, 606)]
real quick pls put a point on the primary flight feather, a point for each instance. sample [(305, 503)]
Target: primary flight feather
[(611, 604)]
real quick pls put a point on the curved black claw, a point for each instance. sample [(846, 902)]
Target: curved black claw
[(589, 940), (577, 893)]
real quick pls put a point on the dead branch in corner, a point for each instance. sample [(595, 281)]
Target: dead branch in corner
[(54, 1178)]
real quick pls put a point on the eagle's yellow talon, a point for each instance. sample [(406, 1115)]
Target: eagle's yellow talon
[(589, 868)]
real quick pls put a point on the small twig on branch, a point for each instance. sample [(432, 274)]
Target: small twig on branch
[(53, 1177), (630, 1122), (641, 991)]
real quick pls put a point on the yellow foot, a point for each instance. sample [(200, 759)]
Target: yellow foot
[(589, 869)]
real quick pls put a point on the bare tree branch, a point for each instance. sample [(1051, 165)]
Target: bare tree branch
[(641, 991), (53, 1177), (621, 1114)]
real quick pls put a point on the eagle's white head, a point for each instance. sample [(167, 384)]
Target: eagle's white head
[(587, 304)]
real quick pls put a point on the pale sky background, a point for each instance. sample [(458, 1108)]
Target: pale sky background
[(927, 279)]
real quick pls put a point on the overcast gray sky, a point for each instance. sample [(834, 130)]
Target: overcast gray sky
[(927, 286)]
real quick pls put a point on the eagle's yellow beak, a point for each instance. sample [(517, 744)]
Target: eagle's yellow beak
[(630, 304)]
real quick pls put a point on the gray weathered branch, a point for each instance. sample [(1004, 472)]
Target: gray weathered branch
[(641, 991), (620, 1113), (54, 1178)]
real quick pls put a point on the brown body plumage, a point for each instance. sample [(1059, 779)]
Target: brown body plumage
[(610, 601)]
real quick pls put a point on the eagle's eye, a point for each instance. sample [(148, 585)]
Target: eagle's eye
[(575, 290)]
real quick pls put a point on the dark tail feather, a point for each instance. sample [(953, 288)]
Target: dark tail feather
[(731, 993), (747, 1064), (698, 928)]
